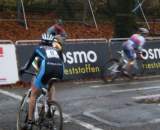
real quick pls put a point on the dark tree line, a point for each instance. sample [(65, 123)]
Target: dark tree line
[(118, 10)]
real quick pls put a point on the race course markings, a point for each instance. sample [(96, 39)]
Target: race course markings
[(119, 124), (15, 96), (124, 83), (135, 89), (79, 122)]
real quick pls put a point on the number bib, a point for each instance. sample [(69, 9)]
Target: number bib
[(51, 53)]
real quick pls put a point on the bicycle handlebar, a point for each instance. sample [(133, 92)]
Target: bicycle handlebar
[(34, 74), (29, 72)]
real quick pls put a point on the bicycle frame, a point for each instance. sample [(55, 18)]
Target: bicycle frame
[(44, 96), (124, 61), (47, 113)]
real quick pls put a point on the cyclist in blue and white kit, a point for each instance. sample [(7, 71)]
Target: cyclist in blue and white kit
[(49, 64), (134, 46)]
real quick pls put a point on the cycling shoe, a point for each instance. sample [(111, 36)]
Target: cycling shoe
[(28, 126)]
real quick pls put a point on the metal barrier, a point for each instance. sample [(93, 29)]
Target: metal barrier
[(6, 42), (87, 40), (123, 39), (67, 40), (81, 60), (86, 60), (26, 42)]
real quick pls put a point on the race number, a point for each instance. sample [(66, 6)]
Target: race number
[(52, 53)]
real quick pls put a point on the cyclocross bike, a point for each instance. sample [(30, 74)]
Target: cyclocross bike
[(114, 68), (47, 114)]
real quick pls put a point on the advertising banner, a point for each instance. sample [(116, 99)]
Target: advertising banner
[(8, 64), (84, 60), (81, 60), (151, 63), (24, 52)]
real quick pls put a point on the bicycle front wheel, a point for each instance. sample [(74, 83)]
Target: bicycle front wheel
[(22, 113), (111, 70), (54, 118)]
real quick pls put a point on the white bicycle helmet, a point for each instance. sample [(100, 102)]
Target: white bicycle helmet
[(143, 30), (47, 38)]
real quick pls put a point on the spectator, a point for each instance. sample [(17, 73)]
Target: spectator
[(58, 31)]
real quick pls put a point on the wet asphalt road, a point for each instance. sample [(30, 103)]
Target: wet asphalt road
[(94, 105)]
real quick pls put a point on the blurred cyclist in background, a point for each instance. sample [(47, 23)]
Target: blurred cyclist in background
[(133, 48), (48, 64), (58, 31)]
